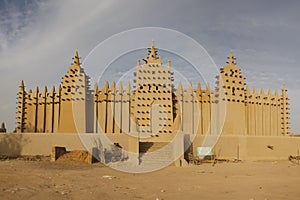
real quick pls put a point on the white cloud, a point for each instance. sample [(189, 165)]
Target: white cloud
[(37, 40)]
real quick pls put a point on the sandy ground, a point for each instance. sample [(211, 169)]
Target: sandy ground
[(25, 179)]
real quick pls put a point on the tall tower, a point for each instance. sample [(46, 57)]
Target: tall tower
[(232, 80), (153, 108), (74, 95), (20, 123), (285, 115)]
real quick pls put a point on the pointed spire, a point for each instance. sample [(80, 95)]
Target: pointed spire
[(37, 89), (113, 87), (198, 91), (152, 56), (284, 88), (76, 59), (128, 87), (59, 88), (22, 84), (180, 85), (231, 59), (179, 89), (269, 92), (276, 93), (207, 87), (45, 91), (190, 88), (199, 87), (22, 87), (247, 90), (262, 91), (169, 63), (120, 90), (152, 52), (52, 90), (106, 85), (138, 63), (254, 90)]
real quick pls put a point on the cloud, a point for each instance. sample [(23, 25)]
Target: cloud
[(38, 41), (38, 38)]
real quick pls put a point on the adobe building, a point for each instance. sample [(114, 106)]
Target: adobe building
[(154, 107), (234, 120), (51, 111)]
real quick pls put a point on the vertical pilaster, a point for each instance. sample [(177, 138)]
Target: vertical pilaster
[(197, 110), (20, 109), (125, 110), (285, 115)]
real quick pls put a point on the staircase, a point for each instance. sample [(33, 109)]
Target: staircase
[(152, 156), (155, 154)]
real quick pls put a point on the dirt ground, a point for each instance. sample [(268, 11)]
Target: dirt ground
[(41, 179)]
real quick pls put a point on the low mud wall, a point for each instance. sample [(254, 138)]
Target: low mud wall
[(13, 144), (229, 147), (248, 147)]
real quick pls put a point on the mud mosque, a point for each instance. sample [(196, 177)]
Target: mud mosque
[(154, 107)]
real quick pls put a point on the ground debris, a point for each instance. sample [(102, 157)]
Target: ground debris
[(25, 158), (108, 177)]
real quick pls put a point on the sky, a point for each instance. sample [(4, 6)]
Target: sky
[(38, 39)]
